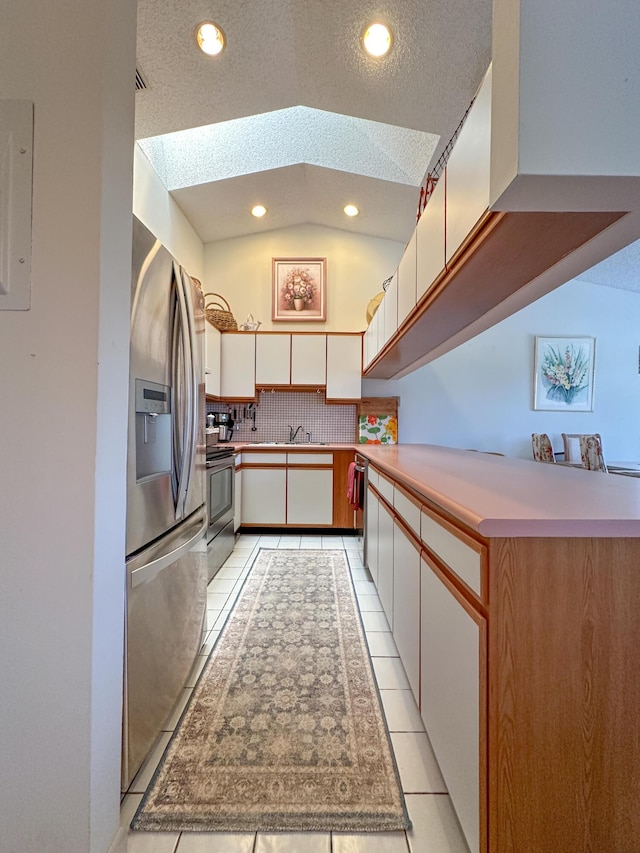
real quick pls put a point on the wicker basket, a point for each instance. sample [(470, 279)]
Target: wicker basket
[(219, 316)]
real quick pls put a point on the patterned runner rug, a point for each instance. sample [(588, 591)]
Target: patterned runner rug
[(284, 730)]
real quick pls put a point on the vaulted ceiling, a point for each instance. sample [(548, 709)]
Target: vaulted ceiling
[(294, 115)]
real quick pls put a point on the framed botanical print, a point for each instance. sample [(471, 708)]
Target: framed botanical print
[(564, 374)]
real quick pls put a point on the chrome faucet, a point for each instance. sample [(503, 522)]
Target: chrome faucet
[(293, 433)]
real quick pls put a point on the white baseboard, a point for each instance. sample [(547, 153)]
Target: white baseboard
[(119, 843)]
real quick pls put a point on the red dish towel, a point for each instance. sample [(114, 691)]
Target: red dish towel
[(352, 492)]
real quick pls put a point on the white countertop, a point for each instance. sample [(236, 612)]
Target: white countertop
[(502, 496)]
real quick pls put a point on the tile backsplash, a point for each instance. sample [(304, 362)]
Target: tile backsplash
[(276, 410)]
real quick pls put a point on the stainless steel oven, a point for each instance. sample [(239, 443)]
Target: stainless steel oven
[(361, 482), (220, 504)]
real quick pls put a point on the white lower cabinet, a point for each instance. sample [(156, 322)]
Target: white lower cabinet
[(264, 496), (372, 535), (385, 562), (406, 605), (237, 501), (451, 645), (309, 496)]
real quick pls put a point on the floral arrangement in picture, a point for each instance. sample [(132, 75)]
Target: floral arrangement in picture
[(564, 374), (378, 429), (299, 289)]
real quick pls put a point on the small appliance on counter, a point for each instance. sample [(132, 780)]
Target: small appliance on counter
[(225, 424), (212, 432)]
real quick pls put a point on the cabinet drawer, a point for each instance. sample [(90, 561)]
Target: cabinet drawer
[(373, 475), (407, 508), (463, 555), (310, 458), (264, 458), (385, 487)]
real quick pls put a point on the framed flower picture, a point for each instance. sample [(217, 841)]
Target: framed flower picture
[(299, 289), (564, 373)]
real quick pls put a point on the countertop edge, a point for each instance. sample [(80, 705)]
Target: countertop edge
[(491, 496)]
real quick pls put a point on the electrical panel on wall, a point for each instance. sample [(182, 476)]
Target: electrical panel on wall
[(16, 173)]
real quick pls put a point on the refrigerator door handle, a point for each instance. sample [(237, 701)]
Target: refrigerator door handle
[(183, 426), (193, 379), (148, 571)]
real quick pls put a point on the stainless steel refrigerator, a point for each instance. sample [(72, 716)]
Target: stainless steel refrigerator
[(166, 515)]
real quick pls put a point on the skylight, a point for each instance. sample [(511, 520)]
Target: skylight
[(286, 137)]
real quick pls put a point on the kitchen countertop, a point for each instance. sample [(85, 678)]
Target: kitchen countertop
[(500, 496)]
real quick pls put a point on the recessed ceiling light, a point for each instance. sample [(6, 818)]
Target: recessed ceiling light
[(351, 210), (259, 210), (210, 38), (377, 40)]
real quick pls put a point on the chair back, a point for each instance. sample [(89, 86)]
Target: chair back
[(541, 447), (591, 453)]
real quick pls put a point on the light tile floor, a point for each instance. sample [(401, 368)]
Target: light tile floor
[(435, 826)]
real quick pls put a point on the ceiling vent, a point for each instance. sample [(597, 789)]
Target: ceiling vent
[(141, 83)]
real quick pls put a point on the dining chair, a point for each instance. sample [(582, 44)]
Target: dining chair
[(591, 453), (542, 447)]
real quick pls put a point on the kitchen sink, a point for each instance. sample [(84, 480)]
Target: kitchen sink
[(289, 444)]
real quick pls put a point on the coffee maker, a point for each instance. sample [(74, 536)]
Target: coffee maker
[(225, 423)]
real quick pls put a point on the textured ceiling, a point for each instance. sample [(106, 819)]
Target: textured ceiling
[(305, 165), (621, 270)]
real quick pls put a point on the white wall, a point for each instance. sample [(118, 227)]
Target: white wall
[(63, 389), (480, 395), (240, 270), (153, 205)]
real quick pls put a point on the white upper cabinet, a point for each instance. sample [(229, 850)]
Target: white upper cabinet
[(430, 249), (367, 348), (344, 367), (381, 314), (308, 359), (407, 281), (371, 336), (212, 360), (238, 365), (468, 171), (390, 302), (273, 359)]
